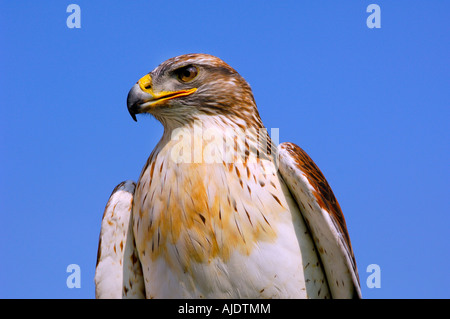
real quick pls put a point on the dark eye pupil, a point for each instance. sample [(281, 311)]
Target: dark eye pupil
[(186, 73)]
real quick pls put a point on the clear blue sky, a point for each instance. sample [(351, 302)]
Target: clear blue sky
[(370, 106)]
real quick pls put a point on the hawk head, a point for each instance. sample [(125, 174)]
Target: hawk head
[(191, 86)]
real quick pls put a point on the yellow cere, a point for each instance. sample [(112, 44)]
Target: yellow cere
[(145, 83)]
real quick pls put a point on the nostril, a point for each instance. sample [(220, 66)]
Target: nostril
[(145, 83)]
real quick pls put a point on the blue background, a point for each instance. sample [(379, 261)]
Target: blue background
[(370, 106)]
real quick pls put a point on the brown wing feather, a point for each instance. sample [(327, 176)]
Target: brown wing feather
[(323, 195)]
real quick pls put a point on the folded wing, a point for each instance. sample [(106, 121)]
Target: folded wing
[(118, 273), (324, 217)]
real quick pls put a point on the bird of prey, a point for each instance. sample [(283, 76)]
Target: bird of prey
[(219, 211)]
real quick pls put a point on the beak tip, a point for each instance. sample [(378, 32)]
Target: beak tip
[(133, 99), (133, 114)]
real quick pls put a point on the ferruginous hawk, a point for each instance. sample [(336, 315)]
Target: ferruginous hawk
[(218, 211)]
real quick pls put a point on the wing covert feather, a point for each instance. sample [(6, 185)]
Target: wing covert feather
[(324, 218), (118, 271)]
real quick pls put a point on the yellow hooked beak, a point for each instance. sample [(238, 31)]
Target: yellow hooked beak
[(141, 96)]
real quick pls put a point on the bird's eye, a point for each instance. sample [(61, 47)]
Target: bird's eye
[(187, 73)]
